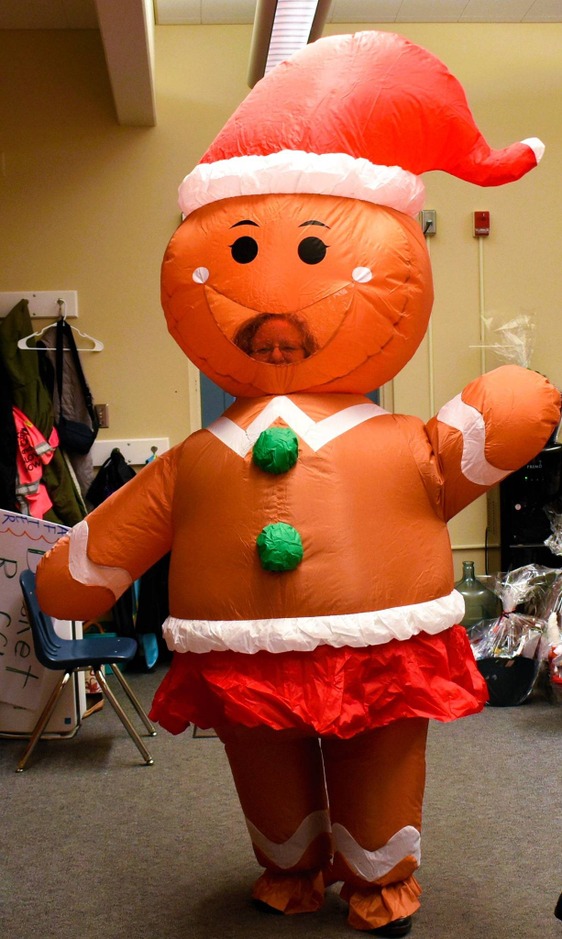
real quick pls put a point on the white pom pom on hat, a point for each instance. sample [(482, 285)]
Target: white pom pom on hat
[(359, 116)]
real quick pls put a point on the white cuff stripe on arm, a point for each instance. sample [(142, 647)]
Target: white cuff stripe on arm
[(86, 572), (470, 422)]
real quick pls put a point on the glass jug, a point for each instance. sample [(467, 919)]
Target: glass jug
[(480, 602)]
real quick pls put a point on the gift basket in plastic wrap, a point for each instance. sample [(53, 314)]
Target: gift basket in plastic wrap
[(513, 649)]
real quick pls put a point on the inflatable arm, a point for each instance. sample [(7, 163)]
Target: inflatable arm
[(496, 425), (87, 570)]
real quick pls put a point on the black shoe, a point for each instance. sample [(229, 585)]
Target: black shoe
[(398, 927), (264, 907)]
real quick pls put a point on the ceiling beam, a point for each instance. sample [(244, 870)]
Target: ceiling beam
[(127, 33)]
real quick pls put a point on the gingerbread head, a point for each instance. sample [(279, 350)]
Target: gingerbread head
[(300, 265)]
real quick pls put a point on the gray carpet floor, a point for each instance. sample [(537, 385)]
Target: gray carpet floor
[(95, 844)]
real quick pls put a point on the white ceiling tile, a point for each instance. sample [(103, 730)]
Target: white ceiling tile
[(364, 11), (227, 11), (500, 11), (544, 11), (177, 12), (430, 11), (203, 12)]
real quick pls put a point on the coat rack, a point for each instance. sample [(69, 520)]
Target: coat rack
[(93, 345), (42, 303)]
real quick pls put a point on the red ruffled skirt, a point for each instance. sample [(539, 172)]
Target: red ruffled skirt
[(329, 692)]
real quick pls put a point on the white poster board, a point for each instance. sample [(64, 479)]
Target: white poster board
[(24, 683)]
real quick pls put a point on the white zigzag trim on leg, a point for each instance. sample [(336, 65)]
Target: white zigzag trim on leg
[(288, 853), (372, 865)]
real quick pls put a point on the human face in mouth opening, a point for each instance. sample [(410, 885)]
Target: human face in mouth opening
[(277, 339)]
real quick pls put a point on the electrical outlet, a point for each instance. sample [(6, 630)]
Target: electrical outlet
[(428, 221), (103, 414)]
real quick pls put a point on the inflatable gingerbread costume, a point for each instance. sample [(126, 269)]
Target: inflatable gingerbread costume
[(312, 609)]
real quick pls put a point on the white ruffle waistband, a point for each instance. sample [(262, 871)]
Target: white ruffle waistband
[(305, 633)]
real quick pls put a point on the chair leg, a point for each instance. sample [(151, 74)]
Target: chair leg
[(43, 720), (134, 701), (122, 716)]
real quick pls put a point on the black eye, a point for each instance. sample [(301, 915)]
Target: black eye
[(312, 250), (244, 249)]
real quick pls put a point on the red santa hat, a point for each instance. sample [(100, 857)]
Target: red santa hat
[(359, 116)]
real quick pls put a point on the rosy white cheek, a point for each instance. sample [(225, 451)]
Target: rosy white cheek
[(362, 275), (200, 275)]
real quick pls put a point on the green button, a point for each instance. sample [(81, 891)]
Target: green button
[(276, 450), (279, 547)]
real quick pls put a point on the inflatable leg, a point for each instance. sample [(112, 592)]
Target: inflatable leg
[(280, 783), (375, 787)]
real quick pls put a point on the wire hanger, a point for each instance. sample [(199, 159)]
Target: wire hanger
[(96, 346)]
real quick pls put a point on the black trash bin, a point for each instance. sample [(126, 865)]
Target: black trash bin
[(510, 681)]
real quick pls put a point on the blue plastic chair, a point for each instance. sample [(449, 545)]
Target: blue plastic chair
[(71, 655)]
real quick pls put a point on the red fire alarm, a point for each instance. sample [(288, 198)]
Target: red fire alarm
[(481, 224)]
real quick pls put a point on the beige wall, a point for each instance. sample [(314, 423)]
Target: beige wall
[(87, 205)]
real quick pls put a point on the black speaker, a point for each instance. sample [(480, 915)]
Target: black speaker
[(517, 522)]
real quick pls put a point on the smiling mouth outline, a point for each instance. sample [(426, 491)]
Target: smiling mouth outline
[(322, 321)]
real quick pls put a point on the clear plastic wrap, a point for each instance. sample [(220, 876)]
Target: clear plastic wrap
[(516, 632), (510, 650), (523, 589), (510, 635), (552, 607), (512, 341), (554, 515)]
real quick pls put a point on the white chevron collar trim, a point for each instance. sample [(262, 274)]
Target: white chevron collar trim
[(315, 434)]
